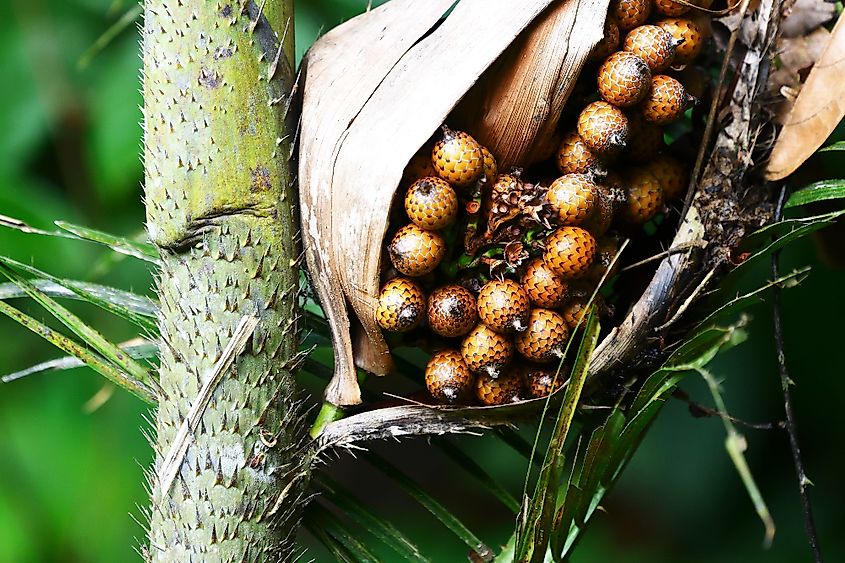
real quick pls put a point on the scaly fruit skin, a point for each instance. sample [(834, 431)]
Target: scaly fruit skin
[(503, 306), (545, 338), (431, 203), (670, 8), (499, 390), (419, 166), (448, 378), (687, 35), (671, 174), (609, 42), (416, 252), (573, 198), (574, 156), (491, 169), (602, 218), (541, 381), (623, 79), (645, 197), (574, 312), (486, 351), (569, 252), (401, 305), (667, 100), (543, 287), (458, 158), (606, 249), (653, 44), (452, 311), (604, 128), (630, 13)]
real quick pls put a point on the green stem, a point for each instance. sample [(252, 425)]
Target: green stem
[(328, 413)]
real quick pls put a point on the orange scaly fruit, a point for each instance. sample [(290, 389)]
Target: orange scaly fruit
[(544, 288), (573, 198), (431, 203), (604, 128), (623, 79), (574, 156), (628, 14), (569, 252), (448, 378), (671, 174), (545, 338), (645, 197), (416, 252), (653, 44), (486, 351), (541, 381), (401, 305), (667, 100), (500, 390), (458, 158), (688, 37), (452, 311), (503, 306), (609, 42)]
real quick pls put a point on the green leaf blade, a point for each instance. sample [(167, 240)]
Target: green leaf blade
[(818, 191)]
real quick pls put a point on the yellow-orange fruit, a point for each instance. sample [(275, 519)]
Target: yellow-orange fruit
[(671, 174), (645, 197), (688, 37), (569, 252), (667, 100), (574, 312), (609, 42), (606, 249), (452, 311), (653, 44), (541, 382), (448, 378), (486, 351), (630, 13), (545, 338), (543, 287), (604, 128), (500, 390), (401, 305), (623, 79), (574, 156), (416, 252), (599, 222), (491, 169), (573, 198), (670, 8), (419, 166), (458, 158), (503, 306), (431, 203)]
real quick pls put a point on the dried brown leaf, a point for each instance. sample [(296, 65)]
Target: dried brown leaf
[(805, 16)]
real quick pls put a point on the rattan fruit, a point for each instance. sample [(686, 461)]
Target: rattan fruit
[(653, 44), (401, 305), (500, 390), (606, 249), (609, 42), (569, 252), (670, 8), (452, 311), (604, 128), (448, 378), (575, 311), (431, 203), (630, 13), (415, 251), (543, 287), (623, 79), (667, 100), (574, 156), (646, 142), (573, 198), (541, 381), (645, 197), (458, 158), (419, 166), (602, 218), (687, 35), (486, 351), (671, 174), (545, 338), (503, 306), (491, 169)]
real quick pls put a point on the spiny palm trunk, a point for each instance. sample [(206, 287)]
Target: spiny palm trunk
[(219, 206)]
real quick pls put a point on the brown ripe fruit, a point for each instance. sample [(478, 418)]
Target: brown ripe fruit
[(605, 252), (452, 311), (416, 252), (569, 252), (604, 128), (630, 13), (671, 174), (500, 390), (543, 287), (573, 198), (545, 338), (670, 8), (667, 100), (688, 37), (431, 203), (458, 158), (419, 166), (653, 44), (401, 305), (448, 378), (645, 197), (576, 310), (503, 306), (491, 169), (541, 382), (574, 156), (486, 351), (609, 42), (601, 219), (623, 79)]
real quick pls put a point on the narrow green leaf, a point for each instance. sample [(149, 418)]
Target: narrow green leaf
[(777, 235), (108, 36), (435, 508), (137, 304), (838, 146), (818, 191), (95, 362), (315, 523), (331, 524), (141, 250)]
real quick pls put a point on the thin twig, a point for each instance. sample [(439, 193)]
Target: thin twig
[(674, 250), (699, 410), (689, 300), (785, 381)]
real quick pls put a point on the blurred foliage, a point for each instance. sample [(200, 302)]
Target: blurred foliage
[(71, 481)]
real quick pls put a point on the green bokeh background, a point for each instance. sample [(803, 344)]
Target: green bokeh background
[(71, 481)]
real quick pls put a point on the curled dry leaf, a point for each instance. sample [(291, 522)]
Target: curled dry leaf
[(375, 90), (818, 108)]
